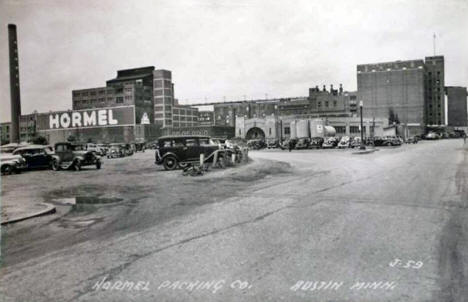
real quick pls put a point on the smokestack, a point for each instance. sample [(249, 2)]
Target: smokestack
[(14, 85), (341, 89)]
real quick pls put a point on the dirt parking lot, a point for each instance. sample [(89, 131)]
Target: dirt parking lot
[(125, 195)]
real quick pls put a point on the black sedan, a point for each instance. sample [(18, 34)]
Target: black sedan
[(36, 156)]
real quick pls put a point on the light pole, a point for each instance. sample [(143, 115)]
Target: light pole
[(363, 147)]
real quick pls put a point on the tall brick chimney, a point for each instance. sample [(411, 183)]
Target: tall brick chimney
[(14, 85)]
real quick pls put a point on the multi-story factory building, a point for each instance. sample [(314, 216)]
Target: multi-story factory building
[(410, 93), (393, 90), (434, 90)]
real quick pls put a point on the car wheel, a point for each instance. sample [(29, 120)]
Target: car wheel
[(170, 163), (55, 165), (77, 165), (98, 164), (7, 170)]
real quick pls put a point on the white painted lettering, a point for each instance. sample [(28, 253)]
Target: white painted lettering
[(89, 119), (54, 121), (297, 286), (98, 285), (65, 120), (164, 284), (111, 119), (76, 119), (102, 117)]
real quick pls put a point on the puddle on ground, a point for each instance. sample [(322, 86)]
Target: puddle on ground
[(77, 200)]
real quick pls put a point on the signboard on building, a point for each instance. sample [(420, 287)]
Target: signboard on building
[(89, 118)]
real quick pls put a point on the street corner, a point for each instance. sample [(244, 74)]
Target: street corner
[(18, 210)]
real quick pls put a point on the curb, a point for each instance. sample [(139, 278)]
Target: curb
[(366, 151), (50, 209)]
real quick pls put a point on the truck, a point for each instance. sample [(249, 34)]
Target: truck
[(307, 131)]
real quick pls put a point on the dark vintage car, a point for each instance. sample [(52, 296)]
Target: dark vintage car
[(115, 151), (68, 156), (302, 143), (330, 142), (316, 142), (179, 151), (386, 141), (36, 156), (256, 144), (288, 144)]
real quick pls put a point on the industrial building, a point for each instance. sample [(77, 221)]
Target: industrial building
[(409, 93)]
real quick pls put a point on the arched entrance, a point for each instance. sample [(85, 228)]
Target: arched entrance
[(255, 133)]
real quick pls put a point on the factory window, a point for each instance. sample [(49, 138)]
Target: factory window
[(319, 104), (119, 90), (269, 131), (93, 92), (340, 129), (354, 129), (334, 103), (287, 130), (326, 104), (119, 100), (128, 97), (158, 83)]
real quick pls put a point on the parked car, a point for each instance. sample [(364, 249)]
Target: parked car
[(387, 141), (432, 136), (256, 144), (330, 142), (412, 140), (302, 143), (10, 163), (355, 142), (128, 149), (36, 156), (288, 143), (9, 148), (115, 151), (140, 147), (272, 143), (344, 142), (179, 151), (102, 149), (316, 142), (68, 156)]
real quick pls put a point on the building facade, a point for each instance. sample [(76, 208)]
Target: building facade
[(410, 92), (434, 91), (150, 91), (457, 115)]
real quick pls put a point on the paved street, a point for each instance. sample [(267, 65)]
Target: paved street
[(312, 225)]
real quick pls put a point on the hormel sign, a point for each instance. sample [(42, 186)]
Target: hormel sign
[(100, 117)]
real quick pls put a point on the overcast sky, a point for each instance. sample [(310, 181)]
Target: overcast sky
[(219, 49)]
